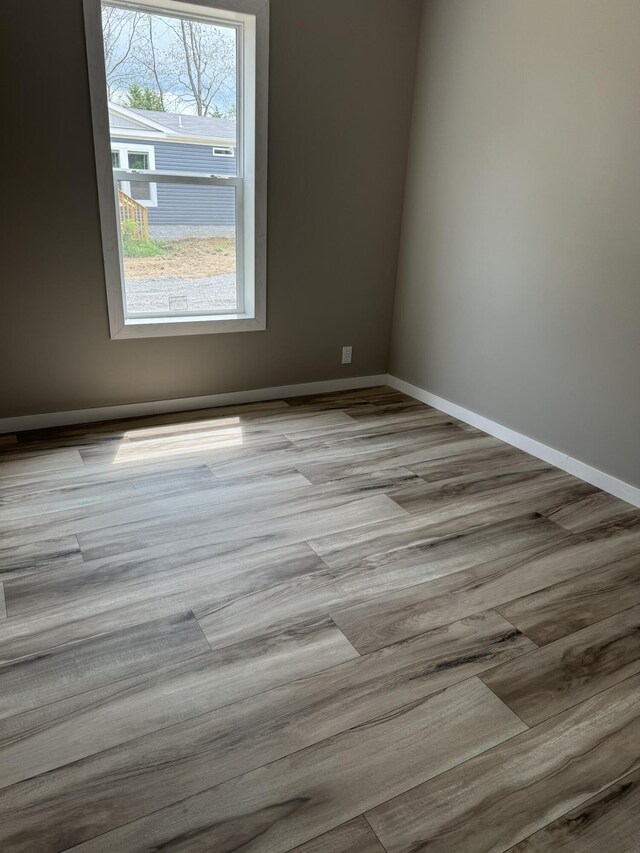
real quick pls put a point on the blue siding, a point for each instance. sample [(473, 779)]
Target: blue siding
[(187, 204), (183, 157)]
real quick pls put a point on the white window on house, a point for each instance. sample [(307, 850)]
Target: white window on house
[(134, 158), (184, 238)]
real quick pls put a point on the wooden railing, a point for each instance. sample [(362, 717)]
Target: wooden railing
[(132, 211)]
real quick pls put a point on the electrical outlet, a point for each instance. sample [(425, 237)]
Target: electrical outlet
[(346, 355)]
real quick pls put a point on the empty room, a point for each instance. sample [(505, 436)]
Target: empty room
[(320, 426)]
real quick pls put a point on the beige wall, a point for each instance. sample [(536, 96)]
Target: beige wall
[(341, 86), (519, 281)]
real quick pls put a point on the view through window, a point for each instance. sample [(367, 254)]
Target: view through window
[(174, 92)]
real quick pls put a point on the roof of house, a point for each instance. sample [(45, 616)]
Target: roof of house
[(192, 125), (173, 124)]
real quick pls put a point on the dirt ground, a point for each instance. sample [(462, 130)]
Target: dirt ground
[(194, 257)]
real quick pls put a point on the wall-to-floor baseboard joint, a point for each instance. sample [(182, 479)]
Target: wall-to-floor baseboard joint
[(582, 470), (184, 404)]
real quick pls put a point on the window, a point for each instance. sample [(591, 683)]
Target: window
[(184, 235), (141, 192), (133, 158), (138, 160)]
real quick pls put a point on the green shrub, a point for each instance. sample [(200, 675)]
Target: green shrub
[(134, 246)]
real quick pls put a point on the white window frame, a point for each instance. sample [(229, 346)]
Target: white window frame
[(123, 150), (252, 16)]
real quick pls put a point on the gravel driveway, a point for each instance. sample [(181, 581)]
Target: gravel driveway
[(176, 294)]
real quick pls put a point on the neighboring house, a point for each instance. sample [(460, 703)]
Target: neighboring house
[(142, 139)]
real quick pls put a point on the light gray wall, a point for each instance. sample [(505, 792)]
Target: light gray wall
[(341, 83), (519, 278)]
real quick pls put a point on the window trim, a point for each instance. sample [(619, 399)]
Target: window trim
[(254, 170)]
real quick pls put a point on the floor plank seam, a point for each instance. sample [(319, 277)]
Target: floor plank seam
[(432, 779), (585, 577), (515, 713), (206, 652), (553, 521), (406, 590), (501, 745), (206, 639), (77, 640), (572, 808), (404, 509), (83, 558), (589, 698), (515, 627), (338, 628), (374, 832), (137, 582), (592, 651)]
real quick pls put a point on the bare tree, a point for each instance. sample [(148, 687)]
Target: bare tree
[(120, 29), (204, 66), (189, 64), (151, 61)]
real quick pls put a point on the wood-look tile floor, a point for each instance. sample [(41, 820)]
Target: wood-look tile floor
[(337, 624)]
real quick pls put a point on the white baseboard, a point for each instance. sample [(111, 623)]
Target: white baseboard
[(183, 404), (579, 469)]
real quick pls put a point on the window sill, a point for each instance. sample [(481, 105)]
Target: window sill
[(157, 328)]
